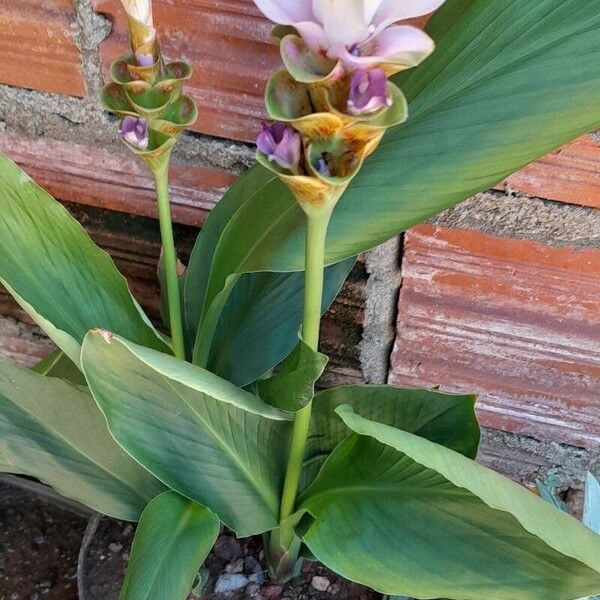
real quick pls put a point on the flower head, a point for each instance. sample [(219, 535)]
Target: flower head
[(281, 144), (140, 10), (359, 33), (135, 132), (368, 92), (142, 32)]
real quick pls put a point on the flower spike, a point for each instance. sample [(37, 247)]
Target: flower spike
[(147, 93)]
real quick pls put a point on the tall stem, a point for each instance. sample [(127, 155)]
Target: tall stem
[(313, 299), (161, 179)]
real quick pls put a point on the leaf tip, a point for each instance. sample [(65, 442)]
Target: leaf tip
[(107, 336)]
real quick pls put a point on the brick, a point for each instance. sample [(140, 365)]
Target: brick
[(37, 49), (517, 322), (102, 177), (23, 343), (228, 44), (570, 174)]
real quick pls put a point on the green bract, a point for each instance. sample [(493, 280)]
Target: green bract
[(377, 482)]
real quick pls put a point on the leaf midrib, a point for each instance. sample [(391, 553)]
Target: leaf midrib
[(270, 499)]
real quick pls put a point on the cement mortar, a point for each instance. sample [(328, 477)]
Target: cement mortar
[(520, 217), (379, 329)]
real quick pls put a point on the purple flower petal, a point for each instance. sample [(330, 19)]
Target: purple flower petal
[(135, 132), (144, 60), (280, 144), (368, 92)]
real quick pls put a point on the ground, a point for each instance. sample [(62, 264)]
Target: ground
[(40, 542)]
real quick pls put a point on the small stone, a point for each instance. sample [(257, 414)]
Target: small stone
[(272, 591), (114, 548), (257, 577), (230, 582), (334, 588), (39, 540), (251, 565), (320, 583), (237, 566), (14, 596), (252, 590), (228, 548), (128, 530)]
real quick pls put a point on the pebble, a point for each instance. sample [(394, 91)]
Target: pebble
[(228, 548), (230, 582), (114, 548), (320, 583), (257, 577), (237, 566), (271, 591), (251, 565)]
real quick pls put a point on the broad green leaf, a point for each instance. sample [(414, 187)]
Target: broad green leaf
[(201, 435), (259, 324), (6, 466), (58, 364), (172, 541), (57, 274), (445, 419), (406, 516), (293, 387), (198, 271), (256, 311), (52, 430), (509, 82)]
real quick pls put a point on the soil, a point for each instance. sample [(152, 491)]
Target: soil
[(40, 543)]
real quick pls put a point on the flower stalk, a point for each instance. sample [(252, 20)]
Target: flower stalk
[(331, 107), (284, 544), (169, 254), (146, 93)]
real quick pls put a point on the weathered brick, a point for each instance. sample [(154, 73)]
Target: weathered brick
[(570, 174), (102, 177), (517, 322), (227, 42), (37, 49)]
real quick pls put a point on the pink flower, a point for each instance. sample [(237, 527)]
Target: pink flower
[(281, 144), (359, 33)]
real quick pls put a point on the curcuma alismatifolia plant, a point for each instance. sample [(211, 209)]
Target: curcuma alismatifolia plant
[(219, 423)]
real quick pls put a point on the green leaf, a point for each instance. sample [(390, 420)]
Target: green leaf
[(406, 516), (293, 387), (201, 435), (6, 466), (58, 364), (445, 419), (171, 542), (259, 324), (198, 271), (57, 274), (509, 82), (261, 312), (52, 430)]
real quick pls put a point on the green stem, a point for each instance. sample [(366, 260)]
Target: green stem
[(313, 300), (161, 179)]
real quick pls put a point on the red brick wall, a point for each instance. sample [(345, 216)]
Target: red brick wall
[(512, 318)]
